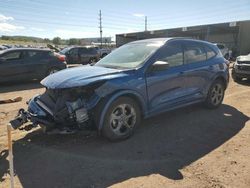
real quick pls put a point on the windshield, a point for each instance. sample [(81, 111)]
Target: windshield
[(64, 51), (130, 55)]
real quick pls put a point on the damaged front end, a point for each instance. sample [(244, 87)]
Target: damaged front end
[(67, 110)]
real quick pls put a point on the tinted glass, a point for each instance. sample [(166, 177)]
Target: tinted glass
[(194, 53), (73, 51), (210, 52), (173, 54), (91, 50), (32, 53), (83, 50), (12, 55)]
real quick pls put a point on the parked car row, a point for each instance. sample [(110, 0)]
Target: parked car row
[(34, 63), (18, 64)]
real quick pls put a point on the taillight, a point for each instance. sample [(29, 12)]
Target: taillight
[(60, 57)]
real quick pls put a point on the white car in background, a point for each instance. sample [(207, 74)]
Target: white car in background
[(224, 50), (241, 68)]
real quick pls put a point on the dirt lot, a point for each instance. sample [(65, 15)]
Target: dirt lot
[(190, 147)]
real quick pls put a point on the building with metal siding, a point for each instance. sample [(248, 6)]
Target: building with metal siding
[(235, 35)]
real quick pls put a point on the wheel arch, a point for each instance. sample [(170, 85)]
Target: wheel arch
[(219, 76), (112, 97)]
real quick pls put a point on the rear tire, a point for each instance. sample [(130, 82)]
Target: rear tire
[(121, 119), (215, 95)]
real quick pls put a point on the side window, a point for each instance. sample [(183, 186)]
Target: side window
[(91, 50), (83, 51), (74, 52), (210, 52), (32, 54), (12, 56), (194, 53), (173, 54)]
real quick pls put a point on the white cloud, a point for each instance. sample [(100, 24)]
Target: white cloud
[(138, 15), (75, 34), (37, 29), (7, 27), (5, 18)]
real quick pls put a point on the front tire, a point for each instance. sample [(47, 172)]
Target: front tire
[(121, 119), (215, 95)]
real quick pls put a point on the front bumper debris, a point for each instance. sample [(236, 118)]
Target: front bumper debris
[(39, 113)]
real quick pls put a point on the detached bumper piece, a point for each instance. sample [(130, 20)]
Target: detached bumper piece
[(22, 118)]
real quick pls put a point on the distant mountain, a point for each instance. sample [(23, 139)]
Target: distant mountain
[(23, 38)]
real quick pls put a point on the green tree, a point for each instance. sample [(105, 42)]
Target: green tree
[(73, 41), (46, 40), (56, 40)]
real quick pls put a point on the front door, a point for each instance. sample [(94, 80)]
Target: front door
[(167, 88)]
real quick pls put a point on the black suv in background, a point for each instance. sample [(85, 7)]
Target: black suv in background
[(29, 63), (80, 55)]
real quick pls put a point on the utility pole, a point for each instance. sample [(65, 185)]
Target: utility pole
[(100, 25), (146, 23)]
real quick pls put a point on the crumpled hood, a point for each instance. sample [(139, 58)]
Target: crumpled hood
[(80, 76), (244, 58)]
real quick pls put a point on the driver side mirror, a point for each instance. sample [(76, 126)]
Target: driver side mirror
[(159, 66)]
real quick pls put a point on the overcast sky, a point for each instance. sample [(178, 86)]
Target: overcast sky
[(79, 18)]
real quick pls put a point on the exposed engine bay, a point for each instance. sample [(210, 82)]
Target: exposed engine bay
[(70, 108)]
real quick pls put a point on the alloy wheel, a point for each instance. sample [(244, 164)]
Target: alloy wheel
[(122, 119), (217, 94)]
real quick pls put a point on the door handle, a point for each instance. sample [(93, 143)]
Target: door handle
[(181, 73)]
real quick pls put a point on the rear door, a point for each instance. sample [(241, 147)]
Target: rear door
[(84, 55), (36, 62), (199, 68), (13, 67), (167, 88)]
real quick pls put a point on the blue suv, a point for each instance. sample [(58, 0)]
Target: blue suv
[(137, 80)]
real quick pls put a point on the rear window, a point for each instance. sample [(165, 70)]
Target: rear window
[(194, 53), (210, 53)]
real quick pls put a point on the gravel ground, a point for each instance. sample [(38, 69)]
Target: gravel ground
[(189, 147)]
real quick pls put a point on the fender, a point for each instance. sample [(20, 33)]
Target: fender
[(222, 75), (117, 95)]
